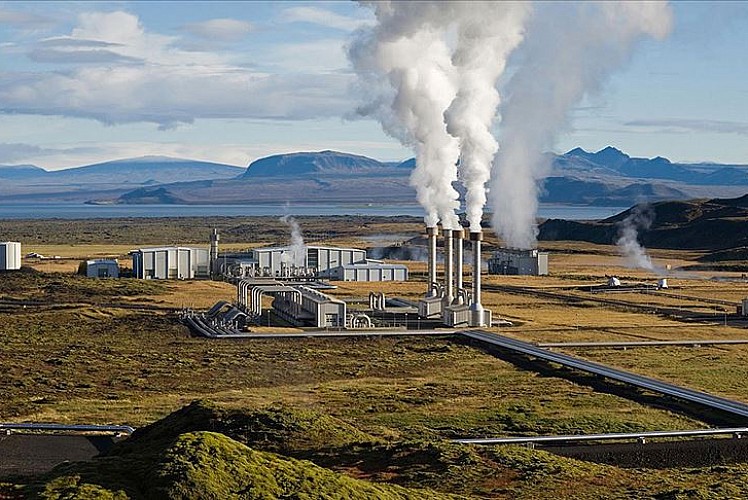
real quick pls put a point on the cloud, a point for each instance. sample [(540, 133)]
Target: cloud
[(322, 17), (16, 152), (133, 75), (78, 56), (677, 125), (224, 30), (25, 20)]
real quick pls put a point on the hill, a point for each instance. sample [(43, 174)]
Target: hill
[(714, 224)]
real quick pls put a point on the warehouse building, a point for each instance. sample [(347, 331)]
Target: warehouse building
[(102, 268), (348, 264), (510, 261), (171, 263), (10, 256)]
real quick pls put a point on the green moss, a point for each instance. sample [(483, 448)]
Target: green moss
[(72, 488)]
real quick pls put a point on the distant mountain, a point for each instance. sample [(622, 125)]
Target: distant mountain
[(319, 163), (606, 177), (20, 171), (611, 161), (715, 224), (144, 170)]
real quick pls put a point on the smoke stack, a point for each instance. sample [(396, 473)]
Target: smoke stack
[(458, 235), (214, 237), (476, 308), (432, 232), (448, 273)]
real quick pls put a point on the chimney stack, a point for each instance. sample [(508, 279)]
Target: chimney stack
[(458, 236), (432, 232), (477, 314), (448, 273), (214, 237)]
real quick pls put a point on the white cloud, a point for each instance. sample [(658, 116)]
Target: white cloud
[(25, 20), (224, 30), (136, 76), (322, 17)]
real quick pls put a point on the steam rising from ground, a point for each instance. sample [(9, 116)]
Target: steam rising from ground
[(570, 50), (296, 254), (640, 218)]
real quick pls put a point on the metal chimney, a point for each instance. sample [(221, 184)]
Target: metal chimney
[(448, 274), (477, 314), (432, 232), (214, 238), (458, 235)]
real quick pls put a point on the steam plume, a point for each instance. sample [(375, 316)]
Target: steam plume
[(296, 254), (407, 50), (569, 52), (487, 33), (640, 218)]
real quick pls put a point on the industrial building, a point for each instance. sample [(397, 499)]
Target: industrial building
[(345, 264), (510, 261), (170, 263), (10, 256), (102, 268)]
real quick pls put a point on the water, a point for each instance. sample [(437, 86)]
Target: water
[(82, 211)]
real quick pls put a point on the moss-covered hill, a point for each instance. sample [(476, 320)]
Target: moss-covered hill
[(180, 458), (206, 452)]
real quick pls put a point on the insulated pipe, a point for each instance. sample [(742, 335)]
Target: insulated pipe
[(432, 233), (477, 315), (448, 273), (458, 235)]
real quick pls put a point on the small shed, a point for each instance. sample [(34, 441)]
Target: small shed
[(102, 268)]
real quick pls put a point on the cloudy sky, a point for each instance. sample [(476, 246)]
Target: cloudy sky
[(82, 82)]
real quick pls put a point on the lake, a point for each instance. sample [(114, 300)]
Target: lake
[(82, 211)]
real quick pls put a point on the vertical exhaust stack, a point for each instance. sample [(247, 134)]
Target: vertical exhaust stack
[(458, 236), (432, 232), (214, 238), (448, 264), (477, 313)]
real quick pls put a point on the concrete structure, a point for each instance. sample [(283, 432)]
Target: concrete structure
[(170, 263), (346, 264), (10, 256), (102, 268), (518, 262)]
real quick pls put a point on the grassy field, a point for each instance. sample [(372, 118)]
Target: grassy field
[(96, 363)]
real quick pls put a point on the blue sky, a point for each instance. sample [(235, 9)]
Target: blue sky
[(82, 82)]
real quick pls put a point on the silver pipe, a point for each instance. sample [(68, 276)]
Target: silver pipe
[(458, 235), (448, 272), (476, 308), (432, 233)]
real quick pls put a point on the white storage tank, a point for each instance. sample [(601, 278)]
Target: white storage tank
[(10, 256)]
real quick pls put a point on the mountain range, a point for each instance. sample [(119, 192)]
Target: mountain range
[(606, 177)]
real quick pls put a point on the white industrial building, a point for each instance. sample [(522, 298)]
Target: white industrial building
[(510, 261), (10, 256), (347, 264), (102, 268), (170, 263)]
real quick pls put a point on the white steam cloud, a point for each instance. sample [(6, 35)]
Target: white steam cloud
[(407, 51), (640, 218), (569, 52), (487, 33), (296, 254)]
